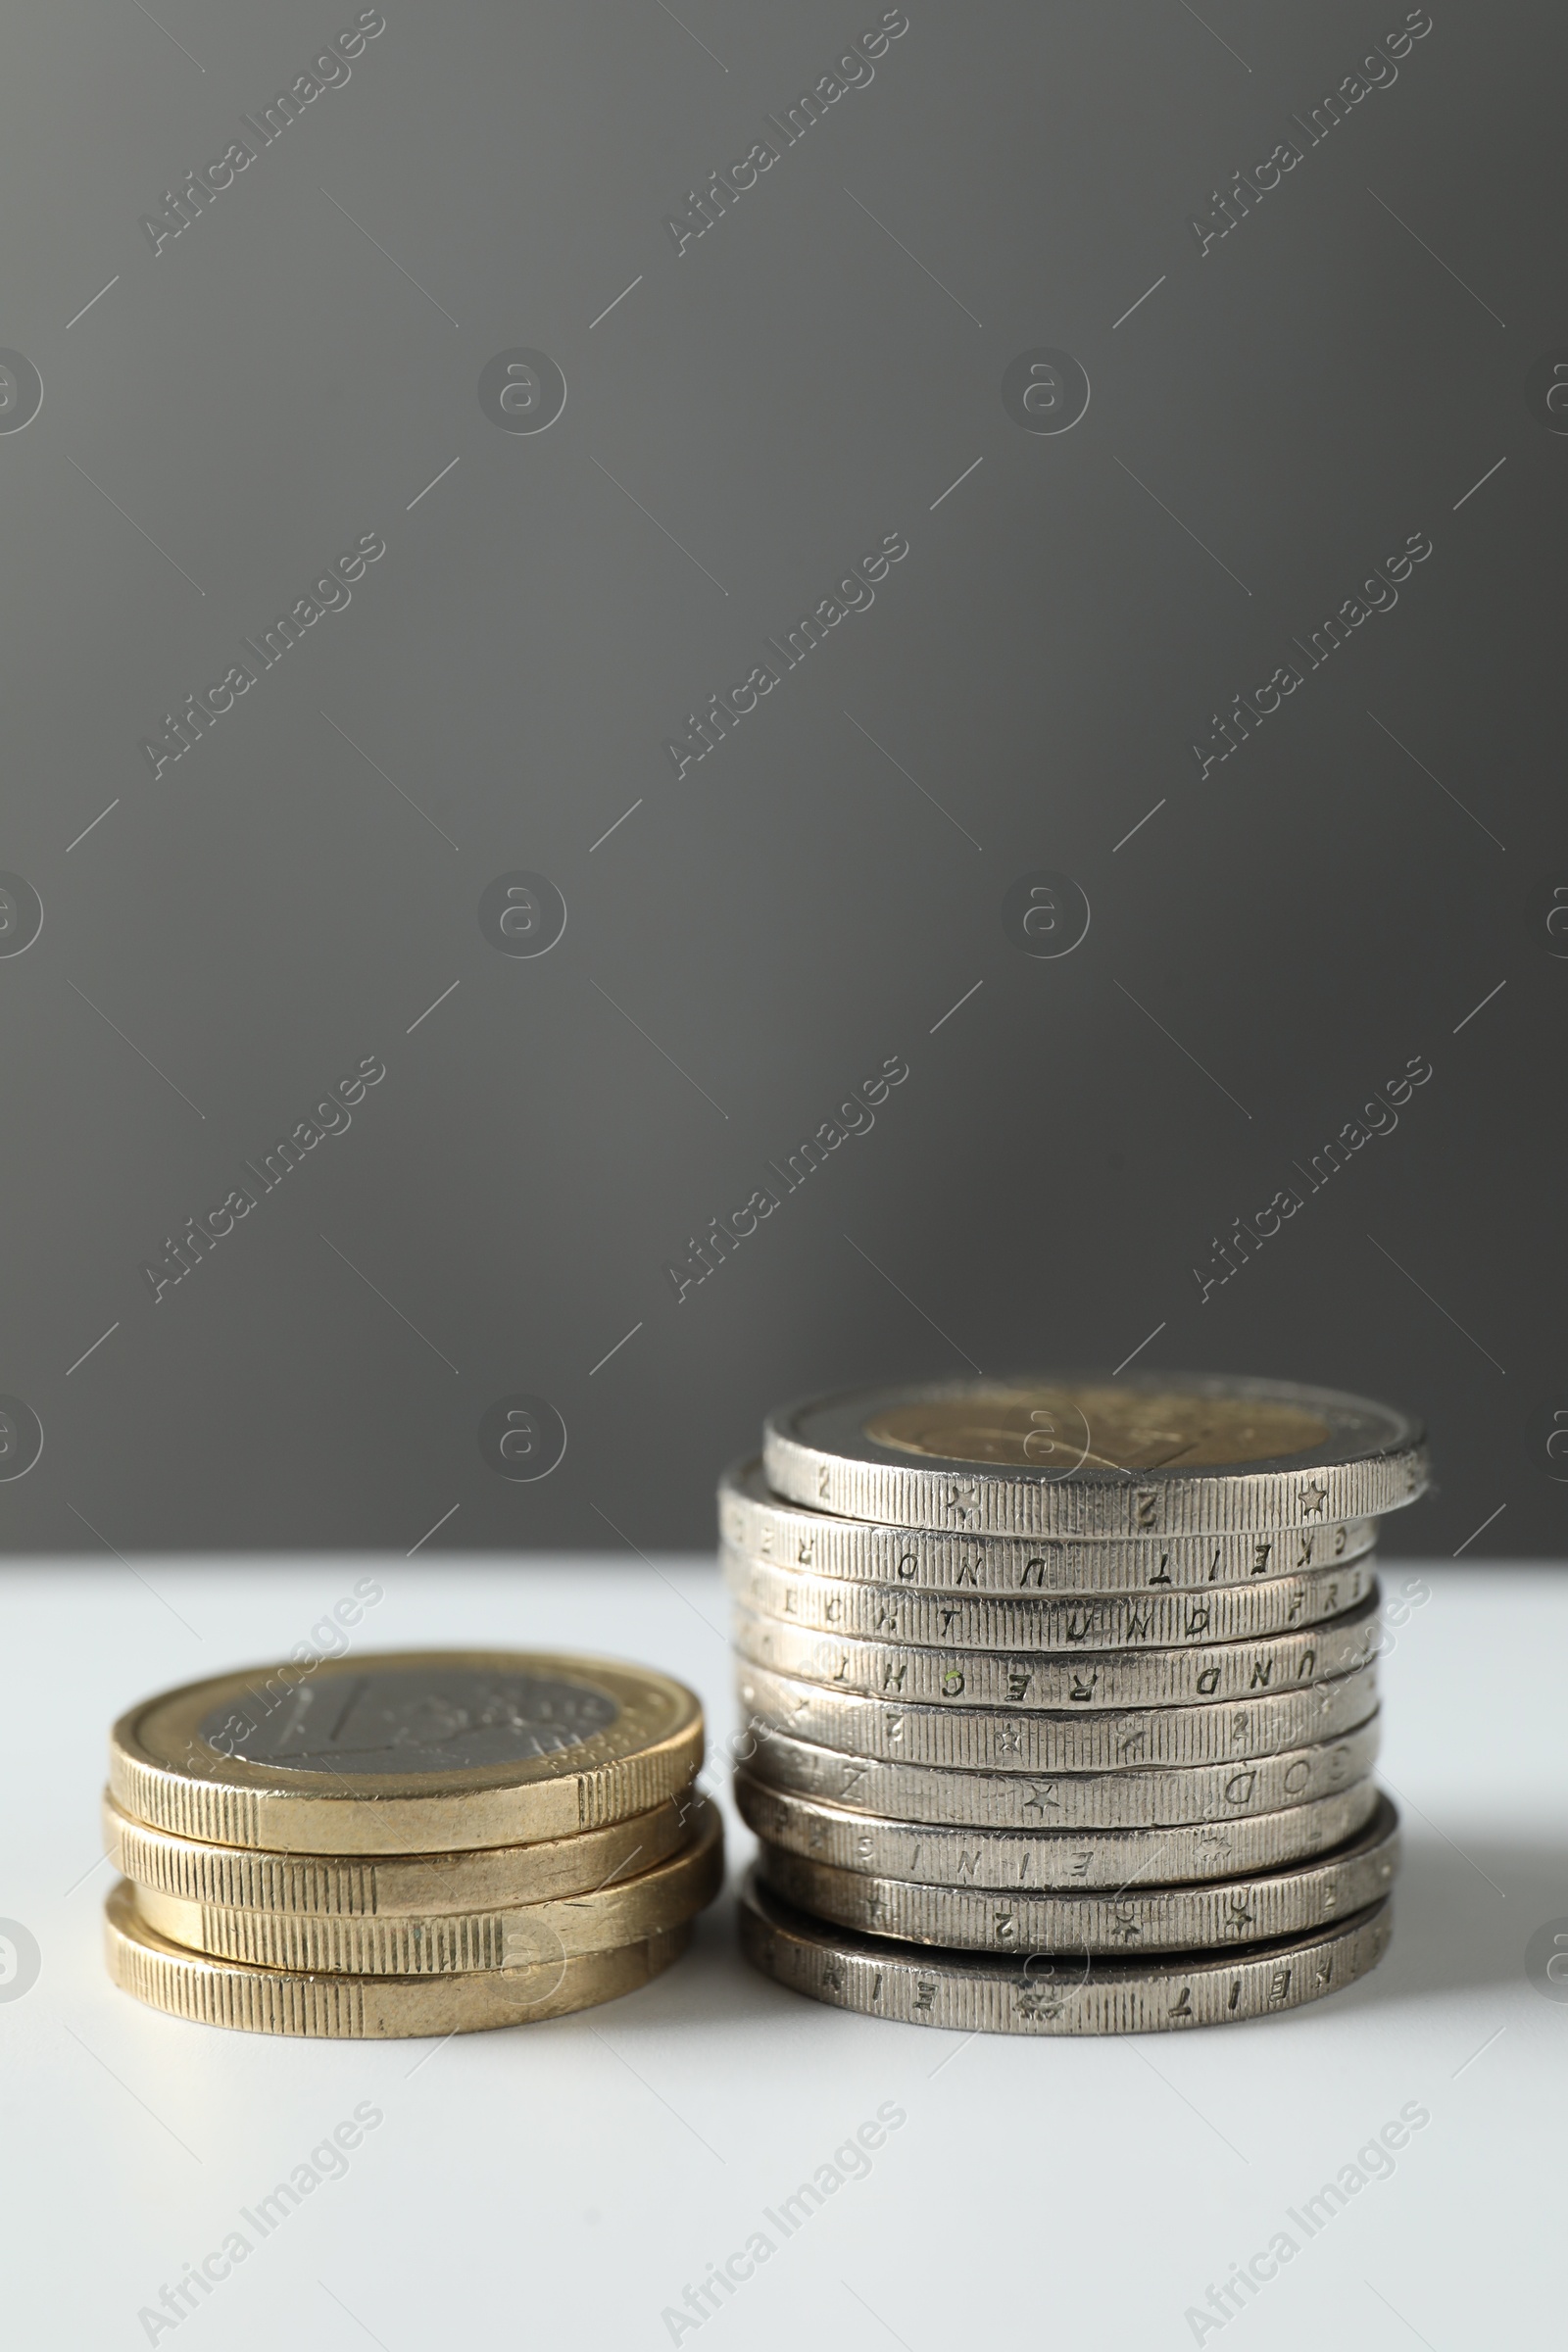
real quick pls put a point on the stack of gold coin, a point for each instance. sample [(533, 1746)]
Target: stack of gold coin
[(1060, 1698), (417, 1842)]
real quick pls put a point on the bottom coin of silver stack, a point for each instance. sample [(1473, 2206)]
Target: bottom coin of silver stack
[(1060, 1699)]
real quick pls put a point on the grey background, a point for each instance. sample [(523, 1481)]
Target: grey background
[(755, 937)]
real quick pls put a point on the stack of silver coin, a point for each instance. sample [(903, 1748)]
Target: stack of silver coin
[(1060, 1698)]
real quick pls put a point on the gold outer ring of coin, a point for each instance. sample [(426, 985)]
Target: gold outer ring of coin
[(455, 1944), (495, 1878), (161, 1772), (1179, 1453), (762, 1525), (1000, 1740), (1064, 1800), (271, 2000), (1131, 1621), (1217, 1675), (1257, 1908), (976, 1992), (1034, 1861)]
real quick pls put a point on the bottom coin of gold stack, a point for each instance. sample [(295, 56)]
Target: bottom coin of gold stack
[(976, 1992), (360, 2008)]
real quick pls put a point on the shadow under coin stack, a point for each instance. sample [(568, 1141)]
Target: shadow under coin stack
[(420, 1843), (1061, 1698)]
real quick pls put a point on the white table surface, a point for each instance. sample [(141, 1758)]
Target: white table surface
[(565, 2182)]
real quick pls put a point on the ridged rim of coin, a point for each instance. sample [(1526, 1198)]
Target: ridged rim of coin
[(1022, 1861), (1055, 1624), (392, 1886), (331, 2008), (999, 1740), (1364, 1459), (1257, 1908), (628, 1911), (1219, 1674), (976, 1992), (1099, 1800), (164, 1771), (877, 1549)]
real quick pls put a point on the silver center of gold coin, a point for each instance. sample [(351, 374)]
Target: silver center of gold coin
[(421, 1719)]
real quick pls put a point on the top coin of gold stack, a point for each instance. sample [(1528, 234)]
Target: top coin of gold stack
[(1061, 1698), (421, 1841)]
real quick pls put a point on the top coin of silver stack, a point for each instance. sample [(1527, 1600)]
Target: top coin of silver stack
[(1061, 1698)]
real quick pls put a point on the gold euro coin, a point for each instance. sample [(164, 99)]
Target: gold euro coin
[(495, 1878), (405, 1753), (270, 2000), (627, 1911)]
